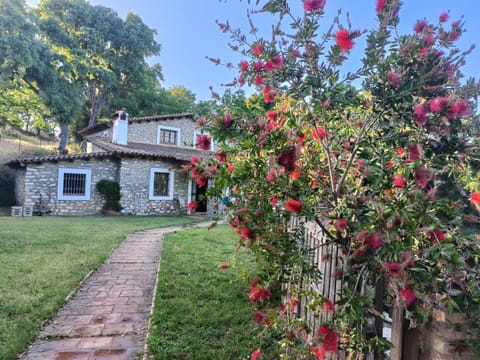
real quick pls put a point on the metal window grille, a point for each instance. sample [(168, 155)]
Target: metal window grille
[(161, 184), (74, 184), (168, 137)]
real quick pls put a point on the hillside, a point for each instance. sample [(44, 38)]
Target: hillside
[(13, 145)]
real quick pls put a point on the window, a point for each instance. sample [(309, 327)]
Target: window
[(168, 135), (161, 184), (74, 184)]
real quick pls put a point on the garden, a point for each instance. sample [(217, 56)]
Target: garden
[(383, 160)]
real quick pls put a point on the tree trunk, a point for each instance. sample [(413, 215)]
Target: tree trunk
[(62, 145)]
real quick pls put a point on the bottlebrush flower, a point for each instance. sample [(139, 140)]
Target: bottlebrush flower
[(271, 115), (204, 142), (223, 265), (256, 354), (260, 294), (394, 79), (269, 94), (407, 294), (436, 236), (341, 224), (375, 241), (475, 199), (294, 206), (344, 40), (394, 268), (314, 5), (398, 181), (258, 80), (318, 134), (192, 206), (438, 104), (328, 306), (443, 17), (420, 26), (380, 6), (258, 48), (258, 318), (244, 66), (422, 177)]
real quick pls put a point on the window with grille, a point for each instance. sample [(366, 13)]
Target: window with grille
[(74, 184), (161, 184), (168, 135)]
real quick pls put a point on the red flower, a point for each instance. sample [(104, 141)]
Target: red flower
[(272, 115), (260, 294), (328, 306), (221, 157), (254, 282), (223, 265), (319, 352), (258, 318), (398, 181), (246, 233), (258, 48), (438, 104), (287, 160), (294, 206), (419, 26), (407, 294), (204, 142), (341, 224), (344, 40), (269, 94), (394, 268), (443, 17), (436, 236), (380, 6), (256, 354), (258, 80), (274, 200), (318, 134), (314, 5), (195, 159), (258, 66), (475, 198), (394, 79), (413, 152), (272, 174), (192, 206), (374, 241), (423, 177), (244, 66)]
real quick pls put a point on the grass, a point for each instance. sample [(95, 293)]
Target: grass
[(43, 259), (202, 311)]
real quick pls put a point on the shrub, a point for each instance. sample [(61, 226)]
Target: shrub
[(111, 192)]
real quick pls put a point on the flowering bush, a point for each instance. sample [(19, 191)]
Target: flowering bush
[(384, 169)]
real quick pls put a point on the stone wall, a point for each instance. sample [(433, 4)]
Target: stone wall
[(146, 132), (20, 186), (41, 183), (134, 188)]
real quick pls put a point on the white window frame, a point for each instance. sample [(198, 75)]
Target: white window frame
[(88, 183), (170, 184), (169, 128), (197, 133)]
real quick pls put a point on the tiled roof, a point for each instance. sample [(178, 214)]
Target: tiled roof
[(108, 124), (147, 150), (132, 150)]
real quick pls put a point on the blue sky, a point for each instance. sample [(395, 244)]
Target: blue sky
[(188, 33)]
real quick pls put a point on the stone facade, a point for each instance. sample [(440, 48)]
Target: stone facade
[(134, 188), (41, 185)]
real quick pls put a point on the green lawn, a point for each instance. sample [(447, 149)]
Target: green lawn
[(202, 311), (42, 259)]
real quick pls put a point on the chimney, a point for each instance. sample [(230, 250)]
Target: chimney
[(120, 128)]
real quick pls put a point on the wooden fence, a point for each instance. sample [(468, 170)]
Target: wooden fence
[(407, 343)]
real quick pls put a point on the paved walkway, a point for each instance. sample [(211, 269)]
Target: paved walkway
[(108, 316)]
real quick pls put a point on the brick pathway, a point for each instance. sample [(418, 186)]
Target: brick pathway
[(108, 316)]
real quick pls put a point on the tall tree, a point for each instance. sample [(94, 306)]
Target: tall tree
[(102, 53)]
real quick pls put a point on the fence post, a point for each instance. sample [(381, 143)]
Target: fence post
[(397, 332)]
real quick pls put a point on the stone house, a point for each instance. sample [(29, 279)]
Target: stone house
[(144, 155)]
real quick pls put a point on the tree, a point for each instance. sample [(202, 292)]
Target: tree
[(99, 52), (370, 166)]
